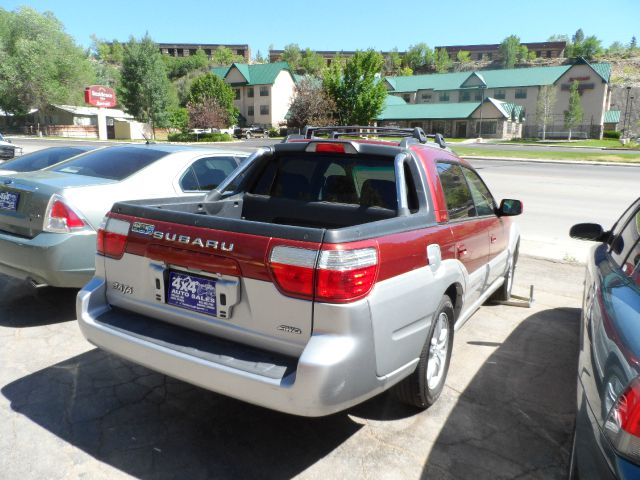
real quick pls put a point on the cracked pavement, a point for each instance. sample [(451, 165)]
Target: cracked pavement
[(69, 411)]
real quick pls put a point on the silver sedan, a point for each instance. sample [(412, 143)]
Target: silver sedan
[(49, 218)]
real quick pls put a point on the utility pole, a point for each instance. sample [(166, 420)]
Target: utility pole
[(626, 115)]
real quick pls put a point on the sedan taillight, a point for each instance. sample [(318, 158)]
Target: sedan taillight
[(60, 217), (622, 426)]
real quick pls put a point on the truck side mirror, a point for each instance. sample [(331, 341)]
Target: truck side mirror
[(510, 208), (587, 231)]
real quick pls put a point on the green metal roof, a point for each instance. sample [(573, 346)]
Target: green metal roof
[(612, 116), (427, 111), (395, 108), (513, 77), (257, 74)]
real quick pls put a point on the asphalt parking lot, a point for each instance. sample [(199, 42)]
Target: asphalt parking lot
[(68, 410)]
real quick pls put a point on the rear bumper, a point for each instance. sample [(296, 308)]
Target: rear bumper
[(334, 371), (55, 259)]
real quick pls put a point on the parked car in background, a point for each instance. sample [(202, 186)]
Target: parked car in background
[(41, 159), (49, 218), (607, 435), (253, 131), (7, 149)]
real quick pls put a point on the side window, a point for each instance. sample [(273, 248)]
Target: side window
[(624, 247), (485, 204), (207, 173), (456, 192)]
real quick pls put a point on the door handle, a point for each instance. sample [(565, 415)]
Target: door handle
[(462, 250), (493, 238)]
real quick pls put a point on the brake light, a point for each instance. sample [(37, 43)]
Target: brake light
[(622, 426), (61, 218), (330, 148), (293, 270), (346, 275), (341, 275), (112, 237)]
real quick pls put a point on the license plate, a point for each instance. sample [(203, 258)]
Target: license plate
[(9, 201), (192, 292)]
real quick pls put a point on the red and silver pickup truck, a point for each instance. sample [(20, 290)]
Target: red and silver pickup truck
[(322, 272)]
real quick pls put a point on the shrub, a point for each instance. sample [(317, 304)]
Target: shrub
[(204, 137), (273, 132), (611, 134)]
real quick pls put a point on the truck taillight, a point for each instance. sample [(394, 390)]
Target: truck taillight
[(622, 426), (293, 269), (112, 237), (62, 218), (340, 276), (346, 275)]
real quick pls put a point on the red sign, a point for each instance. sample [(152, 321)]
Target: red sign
[(100, 96)]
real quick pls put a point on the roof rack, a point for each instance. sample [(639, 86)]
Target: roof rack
[(409, 135)]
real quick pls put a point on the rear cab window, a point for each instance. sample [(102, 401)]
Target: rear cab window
[(115, 163), (369, 182)]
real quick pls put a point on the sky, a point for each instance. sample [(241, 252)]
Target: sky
[(341, 25)]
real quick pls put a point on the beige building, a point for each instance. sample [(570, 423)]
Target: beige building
[(520, 86), (263, 91), (492, 51), (186, 49)]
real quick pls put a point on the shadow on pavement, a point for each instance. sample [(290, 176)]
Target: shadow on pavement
[(515, 418), (152, 426), (22, 305)]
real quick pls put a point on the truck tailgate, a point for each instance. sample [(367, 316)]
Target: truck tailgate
[(214, 281)]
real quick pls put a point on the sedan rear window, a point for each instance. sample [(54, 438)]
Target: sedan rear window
[(115, 163), (42, 159)]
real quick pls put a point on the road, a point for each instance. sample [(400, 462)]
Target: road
[(69, 410), (555, 195), (545, 148)]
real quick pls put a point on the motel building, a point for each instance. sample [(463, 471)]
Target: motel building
[(499, 103), (263, 92)]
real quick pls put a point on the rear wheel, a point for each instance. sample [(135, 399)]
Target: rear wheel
[(504, 292), (423, 387)]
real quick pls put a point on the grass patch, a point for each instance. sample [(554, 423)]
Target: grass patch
[(552, 155), (606, 143)]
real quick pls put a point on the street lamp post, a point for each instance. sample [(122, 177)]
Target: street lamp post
[(626, 114), (482, 87)]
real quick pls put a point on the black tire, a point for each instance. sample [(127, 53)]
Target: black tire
[(415, 390), (504, 292), (249, 135)]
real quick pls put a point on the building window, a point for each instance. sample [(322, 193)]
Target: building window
[(499, 94), (250, 110), (477, 96), (509, 127), (538, 53), (437, 126), (464, 96), (406, 97), (426, 97), (264, 91), (237, 92), (521, 93), (548, 53), (264, 109), (240, 52), (250, 92), (444, 96), (480, 56), (490, 56), (488, 127)]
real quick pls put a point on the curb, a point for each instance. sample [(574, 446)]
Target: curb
[(550, 160), (542, 145)]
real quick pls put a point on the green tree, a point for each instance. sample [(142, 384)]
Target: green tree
[(463, 61), (573, 115), (258, 58), (178, 119), (510, 51), (393, 63), (617, 49), (180, 66), (292, 55), (558, 38), (145, 90), (39, 63), (590, 48), (210, 86), (356, 88), (312, 63), (224, 56), (544, 107), (578, 37), (633, 44), (442, 61), (418, 56)]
